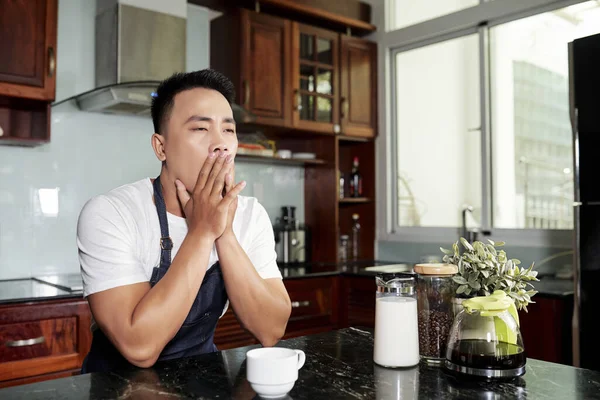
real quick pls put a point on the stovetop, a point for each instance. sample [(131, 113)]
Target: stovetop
[(69, 282)]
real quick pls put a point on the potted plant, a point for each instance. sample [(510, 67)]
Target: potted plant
[(482, 269)]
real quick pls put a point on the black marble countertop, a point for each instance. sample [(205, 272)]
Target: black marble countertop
[(339, 365)]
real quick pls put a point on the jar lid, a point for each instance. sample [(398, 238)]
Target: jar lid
[(498, 301), (395, 283), (436, 269)]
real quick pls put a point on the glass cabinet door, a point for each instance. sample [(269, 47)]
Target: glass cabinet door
[(317, 73)]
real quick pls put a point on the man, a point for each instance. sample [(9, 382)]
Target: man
[(162, 258)]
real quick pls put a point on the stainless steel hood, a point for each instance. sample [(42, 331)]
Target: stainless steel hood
[(135, 49)]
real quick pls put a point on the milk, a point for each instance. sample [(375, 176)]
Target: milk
[(396, 332)]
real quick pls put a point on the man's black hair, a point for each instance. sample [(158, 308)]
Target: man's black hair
[(163, 99)]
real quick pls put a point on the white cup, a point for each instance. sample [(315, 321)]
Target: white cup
[(272, 371)]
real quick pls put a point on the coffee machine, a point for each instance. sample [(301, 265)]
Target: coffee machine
[(291, 238)]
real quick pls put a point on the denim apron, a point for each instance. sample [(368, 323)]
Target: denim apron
[(197, 332)]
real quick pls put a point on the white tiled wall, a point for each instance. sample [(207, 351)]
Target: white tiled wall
[(43, 189)]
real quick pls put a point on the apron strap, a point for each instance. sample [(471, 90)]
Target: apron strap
[(166, 244)]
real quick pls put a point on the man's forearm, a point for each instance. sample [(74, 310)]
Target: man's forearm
[(261, 310), (162, 311)]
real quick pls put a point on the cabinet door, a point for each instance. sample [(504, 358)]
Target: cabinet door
[(265, 88), (28, 48), (315, 55), (359, 82)]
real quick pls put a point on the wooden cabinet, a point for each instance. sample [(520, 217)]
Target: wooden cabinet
[(358, 87), (293, 75), (256, 60), (42, 340), (314, 305), (358, 299), (27, 70), (230, 334), (315, 308), (315, 77), (546, 329), (28, 48)]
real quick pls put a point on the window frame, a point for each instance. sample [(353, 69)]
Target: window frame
[(477, 19)]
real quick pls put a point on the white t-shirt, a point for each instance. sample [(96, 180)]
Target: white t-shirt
[(118, 235)]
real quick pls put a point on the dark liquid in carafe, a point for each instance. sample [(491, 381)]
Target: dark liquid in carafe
[(475, 353)]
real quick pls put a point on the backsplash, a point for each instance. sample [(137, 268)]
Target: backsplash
[(43, 189)]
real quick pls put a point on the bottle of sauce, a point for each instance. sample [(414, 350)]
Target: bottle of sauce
[(355, 180), (355, 237)]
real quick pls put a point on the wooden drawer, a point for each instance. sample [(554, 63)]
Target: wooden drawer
[(43, 338), (64, 326), (314, 303)]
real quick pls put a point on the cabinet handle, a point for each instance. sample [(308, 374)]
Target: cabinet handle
[(345, 106), (298, 304), (25, 342), (51, 62), (246, 93)]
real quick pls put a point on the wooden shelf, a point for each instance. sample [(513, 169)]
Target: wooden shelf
[(349, 200), (344, 138), (277, 160)]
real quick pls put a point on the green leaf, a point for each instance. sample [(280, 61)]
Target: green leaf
[(491, 249), (475, 285), (461, 289), (516, 262), (491, 242), (459, 279), (455, 249), (466, 244), (468, 291), (486, 274), (446, 251), (499, 244)]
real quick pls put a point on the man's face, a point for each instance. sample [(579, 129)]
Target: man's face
[(201, 121)]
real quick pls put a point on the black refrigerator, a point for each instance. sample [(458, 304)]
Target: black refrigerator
[(584, 94)]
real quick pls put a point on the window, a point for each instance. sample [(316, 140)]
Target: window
[(438, 136), (514, 168), (532, 148), (410, 12)]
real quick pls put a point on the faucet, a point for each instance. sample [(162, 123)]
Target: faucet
[(469, 235)]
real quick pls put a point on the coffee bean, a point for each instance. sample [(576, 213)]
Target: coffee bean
[(434, 328)]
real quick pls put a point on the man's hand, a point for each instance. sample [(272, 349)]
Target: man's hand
[(229, 180), (206, 210)]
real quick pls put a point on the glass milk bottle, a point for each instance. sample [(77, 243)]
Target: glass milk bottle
[(396, 332)]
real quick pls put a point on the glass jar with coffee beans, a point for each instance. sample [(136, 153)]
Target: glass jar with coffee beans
[(435, 294)]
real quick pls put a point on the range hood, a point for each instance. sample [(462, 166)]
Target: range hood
[(135, 49)]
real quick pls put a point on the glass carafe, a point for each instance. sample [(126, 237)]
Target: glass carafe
[(485, 340), (396, 332)]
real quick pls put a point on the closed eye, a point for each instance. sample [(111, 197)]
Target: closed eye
[(199, 128), (230, 130)]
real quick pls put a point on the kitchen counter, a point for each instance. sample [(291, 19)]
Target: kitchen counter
[(69, 285), (552, 287), (26, 290), (338, 366)]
